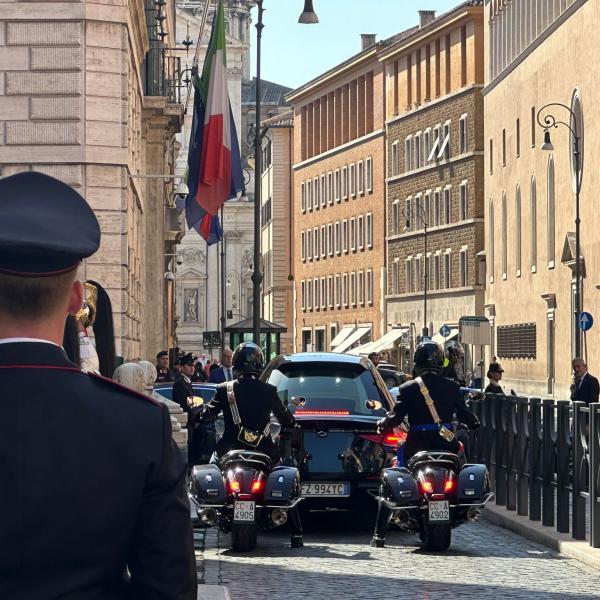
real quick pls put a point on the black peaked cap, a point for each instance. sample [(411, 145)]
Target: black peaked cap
[(46, 227)]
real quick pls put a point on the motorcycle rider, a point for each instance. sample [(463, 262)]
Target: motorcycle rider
[(255, 401), (424, 433)]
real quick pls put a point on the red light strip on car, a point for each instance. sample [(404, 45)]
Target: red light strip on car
[(330, 413)]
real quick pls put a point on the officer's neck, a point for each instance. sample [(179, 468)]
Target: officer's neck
[(50, 328)]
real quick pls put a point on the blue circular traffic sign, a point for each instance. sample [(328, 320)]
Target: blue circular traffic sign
[(585, 321), (445, 331)]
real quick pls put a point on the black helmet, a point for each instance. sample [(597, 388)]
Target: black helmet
[(429, 357), (248, 359)]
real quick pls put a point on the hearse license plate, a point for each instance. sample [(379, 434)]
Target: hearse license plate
[(439, 511), (325, 489), (243, 511)]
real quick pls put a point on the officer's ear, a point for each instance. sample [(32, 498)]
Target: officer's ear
[(75, 297)]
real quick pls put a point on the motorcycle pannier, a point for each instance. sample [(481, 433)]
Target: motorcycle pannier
[(207, 484), (401, 486)]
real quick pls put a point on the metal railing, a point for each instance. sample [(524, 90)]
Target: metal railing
[(544, 460)]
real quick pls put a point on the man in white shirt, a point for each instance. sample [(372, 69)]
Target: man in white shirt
[(225, 371)]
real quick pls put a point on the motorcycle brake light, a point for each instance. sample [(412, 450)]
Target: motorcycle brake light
[(391, 440), (326, 413), (257, 486), (426, 487), (449, 485), (234, 486)]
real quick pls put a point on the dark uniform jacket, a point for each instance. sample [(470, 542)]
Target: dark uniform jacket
[(182, 390), (164, 376), (256, 401), (91, 483), (411, 403), (493, 388), (587, 391)]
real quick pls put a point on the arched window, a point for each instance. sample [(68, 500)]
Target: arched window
[(518, 231), (504, 237), (491, 261), (533, 215), (550, 204)]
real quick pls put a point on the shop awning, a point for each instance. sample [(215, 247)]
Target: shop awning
[(441, 339), (343, 333), (352, 339), (364, 349), (388, 340)]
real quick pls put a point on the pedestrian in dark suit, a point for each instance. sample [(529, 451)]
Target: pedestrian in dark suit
[(494, 374), (225, 371), (183, 392), (585, 388), (92, 482)]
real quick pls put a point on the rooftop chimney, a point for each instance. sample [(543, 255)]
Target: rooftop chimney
[(367, 40), (425, 17)]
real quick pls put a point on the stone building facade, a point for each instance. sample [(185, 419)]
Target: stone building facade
[(339, 202), (81, 99), (530, 200), (277, 238), (434, 145)]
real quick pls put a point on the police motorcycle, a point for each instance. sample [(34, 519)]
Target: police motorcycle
[(435, 491), (242, 491)]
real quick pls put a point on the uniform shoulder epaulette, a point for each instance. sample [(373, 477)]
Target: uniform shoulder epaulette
[(111, 383)]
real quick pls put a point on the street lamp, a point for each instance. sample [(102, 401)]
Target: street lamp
[(547, 122), (421, 214), (308, 16)]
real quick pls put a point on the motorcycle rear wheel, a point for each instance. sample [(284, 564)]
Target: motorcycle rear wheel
[(243, 537), (436, 537)]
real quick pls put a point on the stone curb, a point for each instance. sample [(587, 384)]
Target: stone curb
[(546, 536), (213, 592)]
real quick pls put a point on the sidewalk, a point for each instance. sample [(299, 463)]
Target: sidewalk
[(547, 536), (213, 592)]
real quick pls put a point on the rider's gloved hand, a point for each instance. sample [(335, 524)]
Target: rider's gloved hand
[(476, 424)]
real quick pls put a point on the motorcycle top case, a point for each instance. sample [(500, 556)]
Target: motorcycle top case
[(281, 484), (473, 483), (207, 484), (400, 485)]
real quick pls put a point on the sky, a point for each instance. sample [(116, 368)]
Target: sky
[(293, 54)]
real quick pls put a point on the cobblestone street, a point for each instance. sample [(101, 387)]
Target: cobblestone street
[(484, 561)]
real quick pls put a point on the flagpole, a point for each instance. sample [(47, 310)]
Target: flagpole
[(223, 300), (257, 274)]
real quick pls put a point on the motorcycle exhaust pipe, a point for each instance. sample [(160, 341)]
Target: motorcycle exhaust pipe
[(473, 514), (208, 516), (400, 517), (279, 517)]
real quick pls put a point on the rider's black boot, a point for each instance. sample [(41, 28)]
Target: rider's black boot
[(297, 541), (295, 528), (377, 542)]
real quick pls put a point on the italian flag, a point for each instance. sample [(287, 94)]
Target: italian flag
[(214, 162)]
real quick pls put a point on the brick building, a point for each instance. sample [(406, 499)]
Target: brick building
[(434, 145), (87, 96), (339, 203)]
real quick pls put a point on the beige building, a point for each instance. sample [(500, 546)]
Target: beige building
[(277, 237), (339, 204), (530, 201), (85, 97), (434, 143)]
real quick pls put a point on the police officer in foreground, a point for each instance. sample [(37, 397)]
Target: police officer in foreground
[(430, 401), (92, 483), (255, 401)]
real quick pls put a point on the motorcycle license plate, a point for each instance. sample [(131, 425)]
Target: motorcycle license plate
[(243, 511), (439, 511), (325, 489)]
